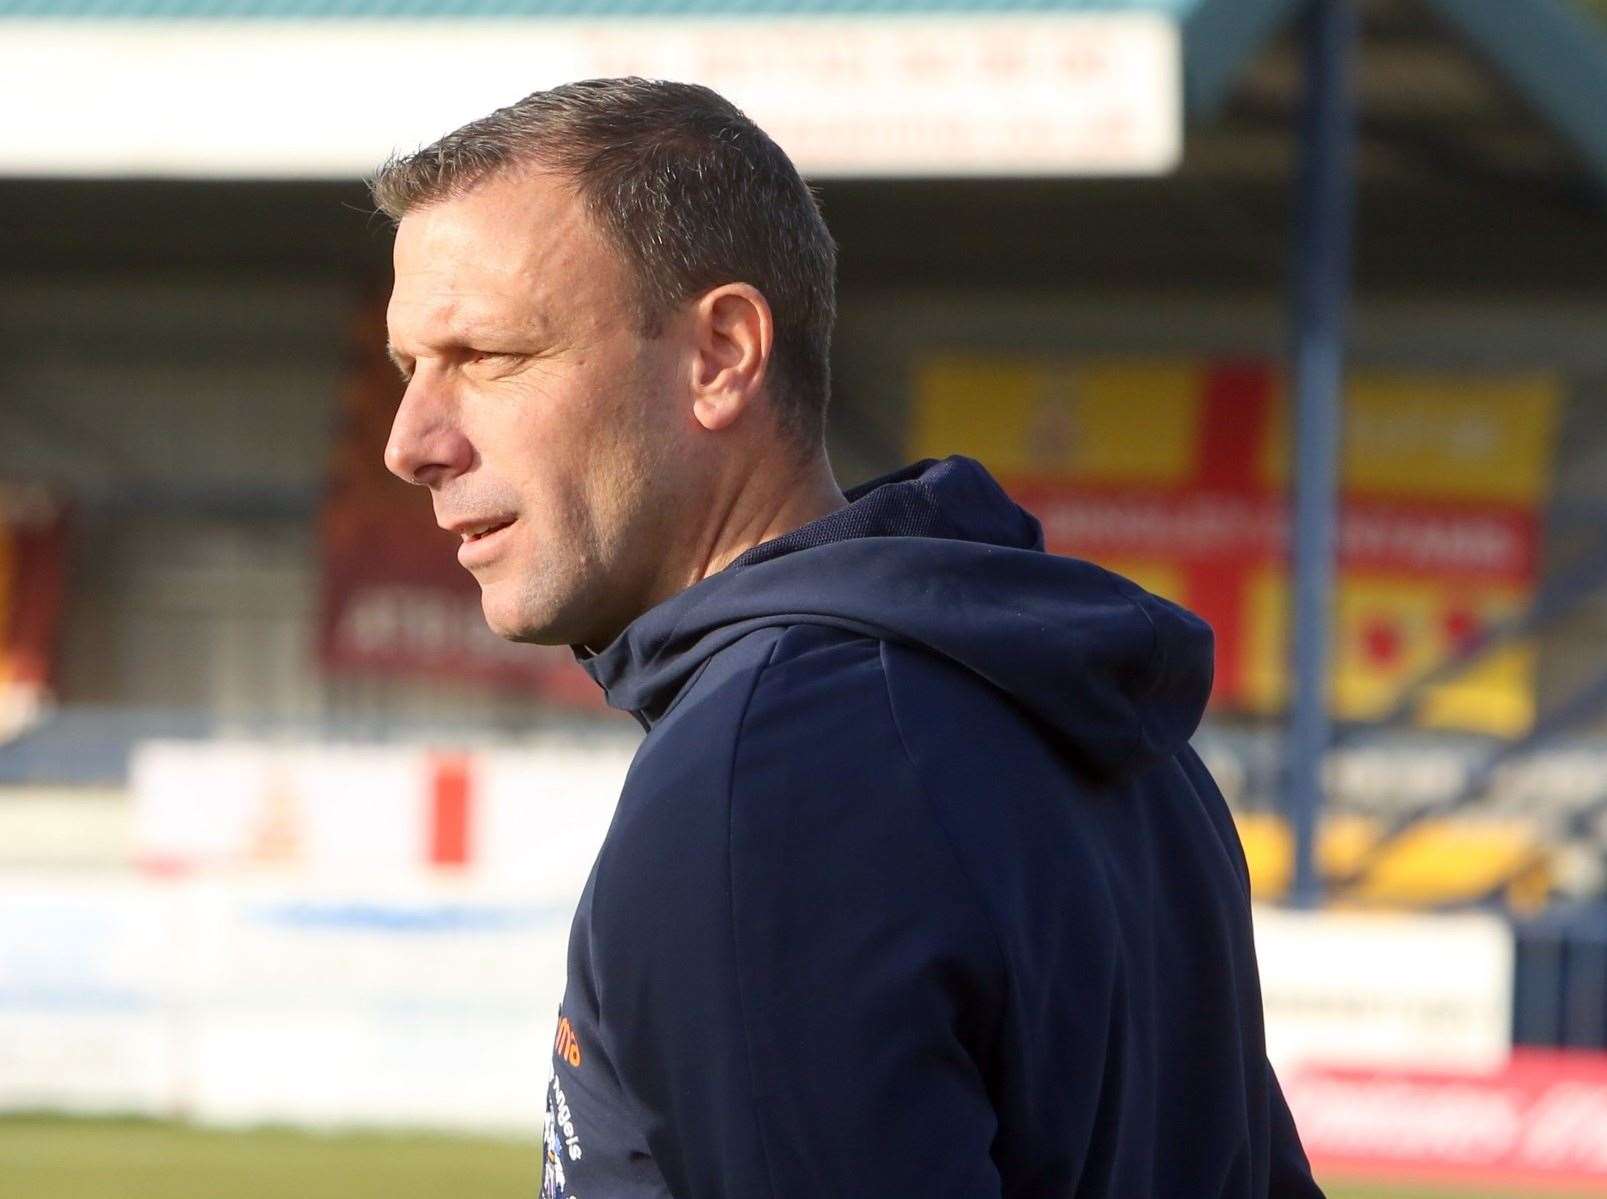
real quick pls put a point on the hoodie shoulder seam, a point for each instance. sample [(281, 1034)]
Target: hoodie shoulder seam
[(937, 819), (731, 907)]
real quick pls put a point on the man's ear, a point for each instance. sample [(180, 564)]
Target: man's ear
[(734, 332)]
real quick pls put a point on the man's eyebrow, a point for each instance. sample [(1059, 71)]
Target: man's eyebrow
[(490, 335), (398, 358)]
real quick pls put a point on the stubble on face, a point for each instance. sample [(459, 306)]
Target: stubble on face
[(535, 395)]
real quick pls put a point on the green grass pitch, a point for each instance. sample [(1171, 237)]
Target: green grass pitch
[(50, 1158), (45, 1157)]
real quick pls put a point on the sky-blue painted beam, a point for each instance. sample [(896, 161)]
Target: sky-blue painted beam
[(1220, 37), (1553, 54)]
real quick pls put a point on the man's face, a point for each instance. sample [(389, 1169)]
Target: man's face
[(545, 425)]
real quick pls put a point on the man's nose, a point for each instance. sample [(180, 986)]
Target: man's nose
[(427, 445)]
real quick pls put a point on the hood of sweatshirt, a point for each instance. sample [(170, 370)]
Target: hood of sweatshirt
[(937, 556)]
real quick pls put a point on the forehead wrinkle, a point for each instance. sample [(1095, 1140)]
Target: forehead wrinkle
[(463, 274), (456, 311), (454, 325), (471, 297), (422, 329)]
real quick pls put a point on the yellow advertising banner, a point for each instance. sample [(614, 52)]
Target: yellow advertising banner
[(1175, 473)]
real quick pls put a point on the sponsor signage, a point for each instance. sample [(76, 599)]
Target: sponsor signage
[(1175, 473), (537, 814), (1537, 1123), (397, 604), (1392, 989), (87, 974), (859, 95), (411, 1001)]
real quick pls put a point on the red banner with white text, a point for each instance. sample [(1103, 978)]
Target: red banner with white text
[(395, 600), (32, 582), (1537, 1126)]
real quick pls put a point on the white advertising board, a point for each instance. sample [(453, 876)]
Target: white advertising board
[(421, 1005), (242, 1000), (88, 976), (1386, 989), (921, 95), (431, 1001), (534, 816)]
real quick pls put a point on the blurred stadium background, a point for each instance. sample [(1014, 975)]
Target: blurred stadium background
[(287, 839)]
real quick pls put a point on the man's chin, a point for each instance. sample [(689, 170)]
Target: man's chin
[(523, 633), (534, 637), (521, 626)]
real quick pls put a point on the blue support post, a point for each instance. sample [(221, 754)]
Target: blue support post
[(1322, 294)]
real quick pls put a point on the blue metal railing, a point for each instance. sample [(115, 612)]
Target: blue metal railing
[(1560, 987)]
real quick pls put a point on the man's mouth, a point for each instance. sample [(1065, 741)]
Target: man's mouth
[(482, 541), (477, 534)]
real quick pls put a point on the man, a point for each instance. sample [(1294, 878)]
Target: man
[(915, 887)]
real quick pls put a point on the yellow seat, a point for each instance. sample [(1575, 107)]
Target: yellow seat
[(1442, 862)]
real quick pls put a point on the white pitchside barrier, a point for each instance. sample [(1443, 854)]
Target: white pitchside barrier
[(248, 1000), (316, 935), (376, 935)]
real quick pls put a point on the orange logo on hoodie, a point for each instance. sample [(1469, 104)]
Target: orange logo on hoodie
[(567, 1046)]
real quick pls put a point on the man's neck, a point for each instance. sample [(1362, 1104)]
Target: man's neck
[(771, 500), (769, 505)]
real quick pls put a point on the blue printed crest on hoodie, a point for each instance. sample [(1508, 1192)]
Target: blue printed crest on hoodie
[(914, 887)]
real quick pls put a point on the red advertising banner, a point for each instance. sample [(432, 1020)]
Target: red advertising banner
[(395, 600), (1540, 1124), (32, 582)]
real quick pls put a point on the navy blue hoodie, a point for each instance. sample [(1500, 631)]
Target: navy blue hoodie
[(915, 888)]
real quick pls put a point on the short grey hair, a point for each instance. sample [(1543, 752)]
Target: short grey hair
[(690, 192)]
